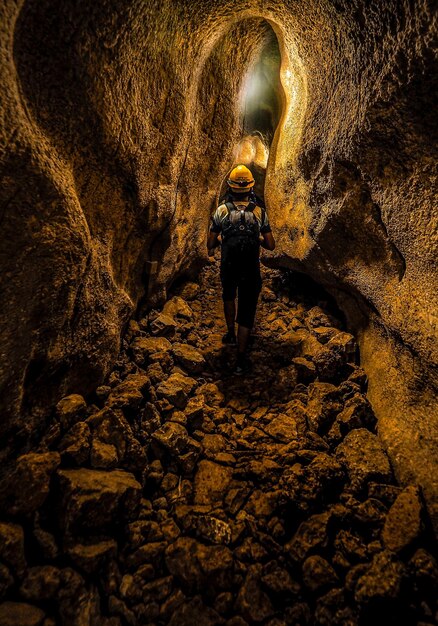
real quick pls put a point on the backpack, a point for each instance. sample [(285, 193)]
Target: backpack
[(240, 239)]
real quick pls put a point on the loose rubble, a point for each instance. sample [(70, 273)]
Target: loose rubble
[(181, 494)]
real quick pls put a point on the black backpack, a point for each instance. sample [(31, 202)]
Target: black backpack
[(240, 239)]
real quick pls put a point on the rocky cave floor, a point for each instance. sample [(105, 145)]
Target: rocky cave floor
[(182, 494)]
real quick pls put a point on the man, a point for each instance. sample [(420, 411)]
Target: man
[(243, 225)]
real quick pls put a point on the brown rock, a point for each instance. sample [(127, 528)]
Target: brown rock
[(382, 581), (362, 454), (188, 357), (176, 389), (41, 583), (252, 602), (90, 558), (318, 574), (12, 547), (20, 614), (403, 524), (163, 325), (174, 438), (211, 482), (197, 566), (143, 347), (27, 486), (70, 410), (311, 534), (177, 307), (282, 428), (93, 499), (75, 445)]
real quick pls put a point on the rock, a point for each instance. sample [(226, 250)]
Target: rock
[(70, 410), (357, 413), (94, 499), (311, 534), (318, 574), (176, 389), (322, 406), (306, 369), (195, 612), (351, 545), (425, 568), (317, 317), (91, 558), (403, 524), (75, 445), (343, 343), (212, 394), (252, 602), (211, 482), (212, 529), (103, 455), (20, 614), (6, 581), (178, 307), (332, 609), (282, 428), (188, 357), (12, 547), (328, 362), (198, 567), (174, 438), (41, 583), (279, 582), (130, 393), (27, 486), (382, 581), (362, 454), (143, 347), (163, 325), (189, 291), (324, 333)]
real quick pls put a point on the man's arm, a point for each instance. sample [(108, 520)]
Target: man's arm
[(268, 241), (212, 242)]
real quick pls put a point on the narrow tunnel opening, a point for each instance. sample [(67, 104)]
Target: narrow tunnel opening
[(260, 110)]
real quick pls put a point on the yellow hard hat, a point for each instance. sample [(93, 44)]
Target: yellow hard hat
[(241, 179)]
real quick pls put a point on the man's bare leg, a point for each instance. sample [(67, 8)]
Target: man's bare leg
[(230, 314), (243, 334)]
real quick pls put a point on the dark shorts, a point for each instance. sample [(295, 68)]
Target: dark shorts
[(247, 288)]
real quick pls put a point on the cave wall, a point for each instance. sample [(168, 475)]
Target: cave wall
[(119, 122)]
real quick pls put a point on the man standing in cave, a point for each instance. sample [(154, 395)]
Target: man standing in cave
[(243, 226)]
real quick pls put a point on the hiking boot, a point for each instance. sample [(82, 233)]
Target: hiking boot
[(229, 338), (243, 365)]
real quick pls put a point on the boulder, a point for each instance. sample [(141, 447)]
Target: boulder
[(198, 567), (282, 427), (178, 307), (91, 558), (143, 347), (41, 583), (364, 458), (75, 445), (311, 534), (12, 547), (129, 393), (211, 482), (403, 524), (318, 574), (94, 499), (188, 357), (163, 325), (322, 407), (70, 410), (382, 581), (195, 612), (176, 389), (252, 602), (20, 614), (212, 394), (26, 487), (174, 438)]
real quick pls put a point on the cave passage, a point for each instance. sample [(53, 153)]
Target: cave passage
[(141, 481), (260, 106)]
